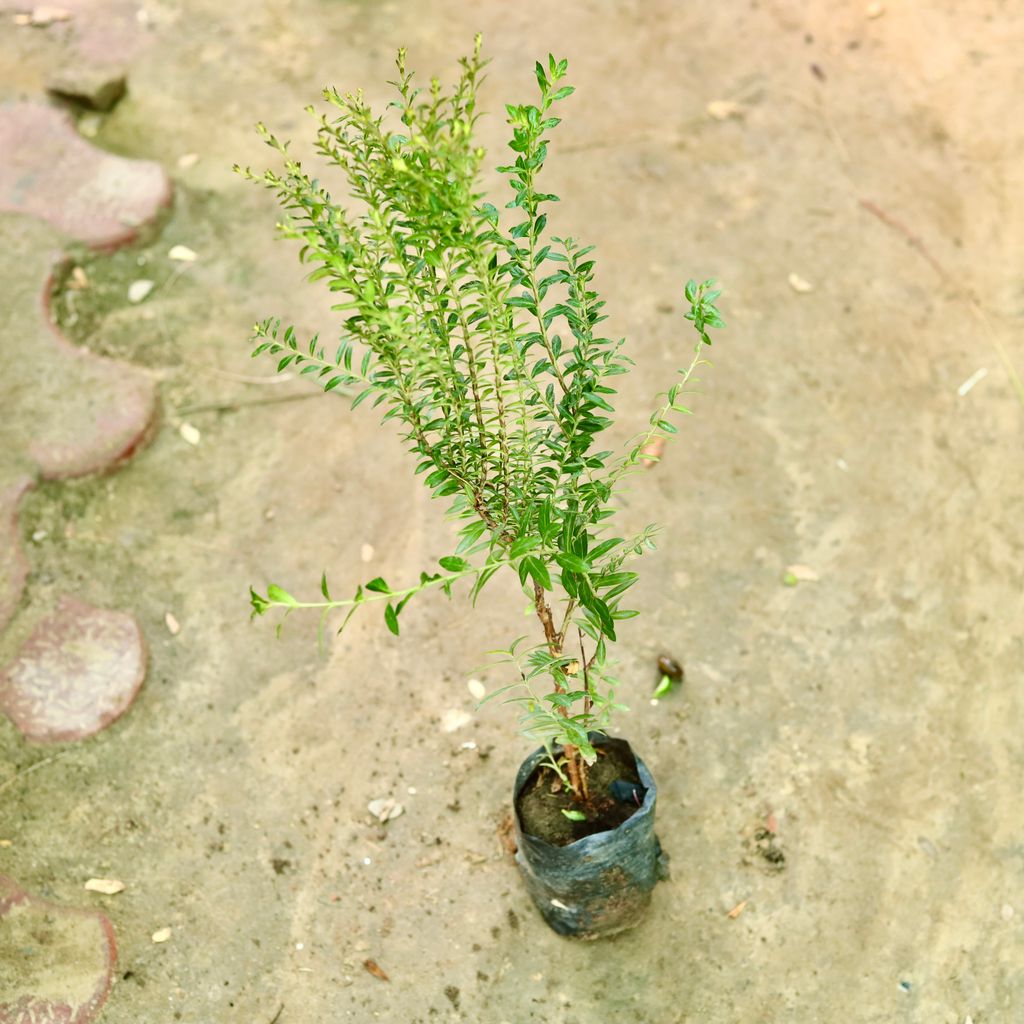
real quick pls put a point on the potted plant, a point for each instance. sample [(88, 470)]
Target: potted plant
[(479, 334)]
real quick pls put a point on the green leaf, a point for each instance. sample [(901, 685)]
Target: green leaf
[(538, 570), (663, 687), (323, 586), (574, 815), (391, 619), (278, 595), (573, 563), (522, 546), (454, 564), (259, 604), (378, 586)]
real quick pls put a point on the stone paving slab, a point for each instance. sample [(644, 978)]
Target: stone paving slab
[(56, 963), (49, 171), (80, 669)]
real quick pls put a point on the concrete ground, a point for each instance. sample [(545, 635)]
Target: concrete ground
[(872, 718)]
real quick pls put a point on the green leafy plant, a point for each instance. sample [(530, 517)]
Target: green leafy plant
[(479, 334)]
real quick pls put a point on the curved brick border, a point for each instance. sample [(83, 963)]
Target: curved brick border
[(37, 936), (48, 170)]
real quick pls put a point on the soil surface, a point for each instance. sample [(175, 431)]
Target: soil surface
[(858, 424), (544, 798)]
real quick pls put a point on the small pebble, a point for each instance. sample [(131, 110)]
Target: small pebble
[(477, 689), (107, 886), (183, 254), (722, 110), (189, 433), (42, 16), (802, 573), (172, 624), (1006, 912), (874, 10), (138, 290), (161, 935), (187, 160), (800, 284), (455, 718), (668, 666), (366, 553)]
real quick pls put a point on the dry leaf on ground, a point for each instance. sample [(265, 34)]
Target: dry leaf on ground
[(375, 969)]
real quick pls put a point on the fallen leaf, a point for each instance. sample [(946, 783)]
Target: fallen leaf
[(802, 573), (799, 284), (189, 433), (737, 910), (161, 935), (183, 254), (375, 969), (385, 809), (172, 624), (477, 689), (107, 886), (507, 834), (138, 290), (722, 110), (187, 160), (455, 718)]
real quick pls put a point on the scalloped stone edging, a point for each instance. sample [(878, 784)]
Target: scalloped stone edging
[(58, 962)]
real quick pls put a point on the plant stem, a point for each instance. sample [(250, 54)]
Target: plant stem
[(575, 766)]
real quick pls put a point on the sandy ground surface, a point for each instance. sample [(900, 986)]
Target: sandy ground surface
[(876, 713)]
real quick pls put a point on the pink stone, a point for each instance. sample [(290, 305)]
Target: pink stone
[(90, 412), (108, 30), (48, 170), (80, 669), (13, 566), (56, 963)]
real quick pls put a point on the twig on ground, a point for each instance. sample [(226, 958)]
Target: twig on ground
[(979, 314), (32, 767), (915, 242), (231, 406)]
